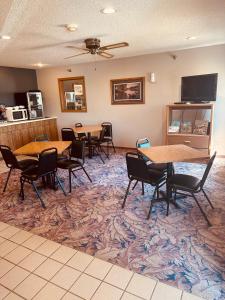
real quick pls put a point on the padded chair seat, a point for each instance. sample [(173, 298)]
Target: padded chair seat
[(61, 157), (155, 176), (184, 182), (31, 173), (159, 167), (68, 164), (94, 138), (107, 139), (26, 163)]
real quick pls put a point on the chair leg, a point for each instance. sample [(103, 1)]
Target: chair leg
[(175, 196), (6, 183), (21, 189), (102, 150), (107, 148), (207, 198), (153, 197), (60, 184), (98, 153), (70, 181), (127, 191), (135, 185), (38, 194), (143, 188), (74, 175), (203, 213), (114, 147), (86, 174), (168, 194)]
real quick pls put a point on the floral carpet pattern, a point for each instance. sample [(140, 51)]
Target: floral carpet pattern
[(180, 250)]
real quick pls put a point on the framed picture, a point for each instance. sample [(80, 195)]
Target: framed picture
[(128, 91), (72, 94), (78, 89)]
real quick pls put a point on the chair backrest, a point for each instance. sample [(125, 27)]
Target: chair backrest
[(80, 135), (206, 173), (136, 166), (8, 156), (143, 143), (102, 135), (77, 150), (68, 134), (108, 129), (41, 137), (47, 162)]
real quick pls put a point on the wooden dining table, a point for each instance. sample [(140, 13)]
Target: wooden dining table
[(35, 148), (170, 154), (173, 153), (88, 129)]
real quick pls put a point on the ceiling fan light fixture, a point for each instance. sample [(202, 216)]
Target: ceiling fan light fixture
[(108, 10), (71, 27)]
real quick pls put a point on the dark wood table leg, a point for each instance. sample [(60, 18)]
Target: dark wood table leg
[(168, 195), (90, 154)]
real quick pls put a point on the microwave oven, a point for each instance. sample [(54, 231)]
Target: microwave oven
[(16, 114)]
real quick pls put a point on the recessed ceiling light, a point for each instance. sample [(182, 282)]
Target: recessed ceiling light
[(39, 65), (71, 27), (5, 37), (108, 10), (191, 38)]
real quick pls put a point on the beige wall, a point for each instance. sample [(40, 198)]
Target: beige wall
[(133, 121)]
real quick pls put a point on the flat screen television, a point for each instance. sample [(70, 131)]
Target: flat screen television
[(199, 88)]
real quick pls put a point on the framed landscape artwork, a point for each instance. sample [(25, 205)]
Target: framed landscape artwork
[(128, 91)]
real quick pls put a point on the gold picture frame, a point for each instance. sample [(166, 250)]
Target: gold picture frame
[(72, 94)]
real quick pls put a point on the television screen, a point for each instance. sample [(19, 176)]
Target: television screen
[(199, 88)]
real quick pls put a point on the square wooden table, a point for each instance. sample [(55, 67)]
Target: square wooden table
[(172, 153), (89, 129), (35, 148), (169, 154)]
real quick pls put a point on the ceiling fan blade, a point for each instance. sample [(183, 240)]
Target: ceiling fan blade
[(77, 48), (114, 46), (76, 55), (105, 54)]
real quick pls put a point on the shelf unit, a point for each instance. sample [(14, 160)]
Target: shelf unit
[(198, 141)]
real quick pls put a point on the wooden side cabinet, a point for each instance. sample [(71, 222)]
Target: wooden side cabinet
[(186, 117), (21, 133)]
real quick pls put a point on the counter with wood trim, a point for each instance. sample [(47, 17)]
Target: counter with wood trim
[(17, 134)]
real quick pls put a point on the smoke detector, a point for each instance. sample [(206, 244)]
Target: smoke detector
[(71, 27)]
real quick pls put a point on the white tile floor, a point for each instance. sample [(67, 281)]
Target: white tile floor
[(32, 267)]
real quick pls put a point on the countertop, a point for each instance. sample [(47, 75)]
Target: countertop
[(25, 121)]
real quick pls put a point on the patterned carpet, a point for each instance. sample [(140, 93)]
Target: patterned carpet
[(179, 250)]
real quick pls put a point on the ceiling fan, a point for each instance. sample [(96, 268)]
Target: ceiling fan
[(93, 47)]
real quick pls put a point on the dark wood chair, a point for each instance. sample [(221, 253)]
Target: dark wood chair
[(46, 168), (12, 162), (75, 161), (81, 136), (68, 134), (108, 137), (188, 185), (137, 170), (161, 167), (97, 145)]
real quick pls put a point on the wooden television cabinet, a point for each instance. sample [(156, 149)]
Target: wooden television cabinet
[(189, 113)]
